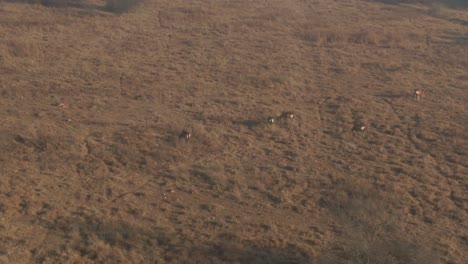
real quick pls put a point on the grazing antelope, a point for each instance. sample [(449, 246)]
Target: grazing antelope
[(271, 120), (185, 135), (286, 116), (418, 93), (359, 128)]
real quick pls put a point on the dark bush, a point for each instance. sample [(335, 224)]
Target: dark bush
[(120, 6)]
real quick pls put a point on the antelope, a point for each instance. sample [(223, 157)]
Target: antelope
[(271, 120), (286, 116), (418, 93), (185, 135), (359, 128)]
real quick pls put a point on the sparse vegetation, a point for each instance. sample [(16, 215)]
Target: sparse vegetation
[(94, 167), (370, 229)]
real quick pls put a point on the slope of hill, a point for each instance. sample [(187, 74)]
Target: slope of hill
[(92, 103)]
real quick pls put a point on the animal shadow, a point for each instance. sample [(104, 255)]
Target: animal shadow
[(250, 123), (390, 94)]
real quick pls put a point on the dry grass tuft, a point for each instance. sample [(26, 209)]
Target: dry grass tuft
[(367, 37), (20, 48)]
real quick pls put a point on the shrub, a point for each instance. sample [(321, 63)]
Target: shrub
[(120, 6)]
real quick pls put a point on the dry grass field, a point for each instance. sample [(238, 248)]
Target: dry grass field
[(94, 94)]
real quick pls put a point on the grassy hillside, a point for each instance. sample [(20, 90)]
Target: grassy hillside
[(93, 98)]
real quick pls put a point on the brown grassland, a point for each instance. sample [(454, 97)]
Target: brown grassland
[(94, 94)]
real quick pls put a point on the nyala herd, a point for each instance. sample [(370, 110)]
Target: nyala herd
[(358, 128), (284, 116)]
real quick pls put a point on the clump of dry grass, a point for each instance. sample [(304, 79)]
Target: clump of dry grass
[(369, 37), (24, 47), (369, 221), (325, 37), (97, 240), (212, 174), (44, 139), (364, 37)]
